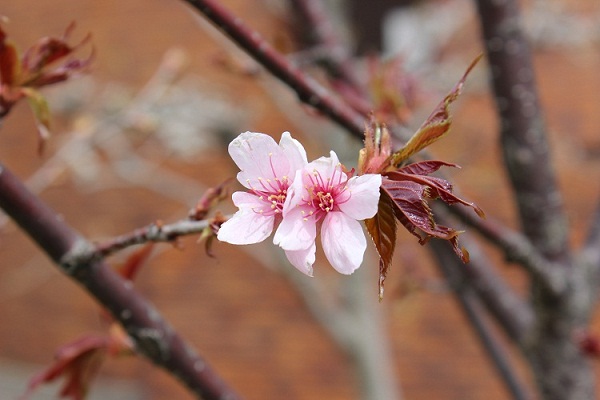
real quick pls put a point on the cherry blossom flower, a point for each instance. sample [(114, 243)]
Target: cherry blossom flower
[(324, 195), (267, 170)]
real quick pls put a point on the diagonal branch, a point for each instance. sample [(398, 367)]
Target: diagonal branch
[(490, 343), (476, 282), (523, 131), (308, 90), (514, 245), (317, 24), (495, 350), (513, 314), (472, 309), (153, 336)]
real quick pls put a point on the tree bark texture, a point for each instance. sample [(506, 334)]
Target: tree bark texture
[(560, 369)]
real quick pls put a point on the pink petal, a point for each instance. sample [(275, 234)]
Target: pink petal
[(294, 152), (343, 242), (246, 226), (249, 151), (364, 196), (248, 200), (294, 194), (303, 260), (295, 232), (258, 156), (327, 167)]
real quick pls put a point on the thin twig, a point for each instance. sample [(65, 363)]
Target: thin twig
[(317, 24), (516, 247), (153, 336), (513, 314), (308, 90), (155, 232), (490, 344), (499, 301)]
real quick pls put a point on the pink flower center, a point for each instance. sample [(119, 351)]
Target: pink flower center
[(324, 194), (271, 192)]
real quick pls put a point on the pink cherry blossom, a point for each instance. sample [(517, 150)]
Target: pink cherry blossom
[(267, 170), (322, 194)]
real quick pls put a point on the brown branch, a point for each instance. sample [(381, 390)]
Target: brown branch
[(516, 247), (154, 232), (494, 349), (472, 308), (523, 131), (307, 89), (477, 282), (153, 336), (514, 315), (318, 26)]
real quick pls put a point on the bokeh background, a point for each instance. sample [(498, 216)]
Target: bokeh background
[(141, 137)]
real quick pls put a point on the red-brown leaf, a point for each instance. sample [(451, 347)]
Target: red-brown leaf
[(135, 262), (434, 127), (425, 167), (382, 228), (410, 187), (412, 210), (78, 362), (438, 187), (9, 61)]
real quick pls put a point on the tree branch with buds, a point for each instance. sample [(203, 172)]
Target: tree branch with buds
[(153, 336)]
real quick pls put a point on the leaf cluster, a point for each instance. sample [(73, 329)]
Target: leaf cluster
[(45, 63), (406, 190)]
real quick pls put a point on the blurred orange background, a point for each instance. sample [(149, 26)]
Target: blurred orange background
[(242, 315)]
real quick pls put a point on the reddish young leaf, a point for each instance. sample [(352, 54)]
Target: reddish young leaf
[(434, 127), (410, 188), (135, 262), (425, 167), (438, 187), (79, 362), (382, 228), (22, 78), (411, 208), (9, 61), (48, 50)]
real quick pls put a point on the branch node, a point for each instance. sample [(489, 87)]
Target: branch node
[(81, 255)]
